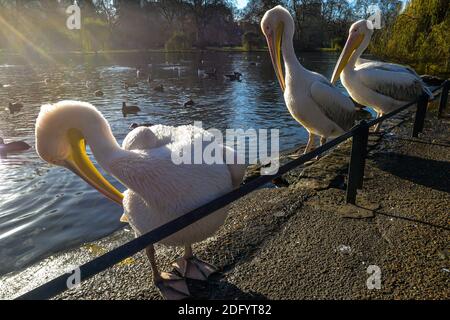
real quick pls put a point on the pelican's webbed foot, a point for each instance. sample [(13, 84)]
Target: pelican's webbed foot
[(194, 268), (172, 286)]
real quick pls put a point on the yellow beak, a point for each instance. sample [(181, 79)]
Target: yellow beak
[(353, 42), (274, 43), (80, 164)]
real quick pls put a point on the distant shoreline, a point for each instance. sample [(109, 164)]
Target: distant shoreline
[(162, 50)]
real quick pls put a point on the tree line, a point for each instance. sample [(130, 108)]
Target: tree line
[(418, 31)]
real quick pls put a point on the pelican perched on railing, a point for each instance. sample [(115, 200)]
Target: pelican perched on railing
[(159, 190), (310, 98), (380, 85)]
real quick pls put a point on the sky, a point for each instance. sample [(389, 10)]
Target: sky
[(241, 3)]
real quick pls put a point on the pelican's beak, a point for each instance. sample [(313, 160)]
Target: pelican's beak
[(274, 42), (353, 42), (80, 164)]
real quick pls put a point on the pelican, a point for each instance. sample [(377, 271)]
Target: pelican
[(158, 190), (310, 98), (380, 85)]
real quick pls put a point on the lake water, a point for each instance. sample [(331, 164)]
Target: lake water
[(45, 209)]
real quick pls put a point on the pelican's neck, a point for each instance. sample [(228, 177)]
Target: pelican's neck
[(357, 54), (103, 144), (291, 64)]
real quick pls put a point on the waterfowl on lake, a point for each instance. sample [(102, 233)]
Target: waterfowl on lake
[(14, 146), (128, 84), (207, 74), (126, 110), (14, 107), (135, 125), (141, 74), (158, 189), (310, 98), (379, 85), (98, 93), (235, 76), (201, 73), (189, 103), (159, 88)]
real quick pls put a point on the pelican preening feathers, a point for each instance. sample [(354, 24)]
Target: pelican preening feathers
[(158, 190), (310, 98), (379, 85)]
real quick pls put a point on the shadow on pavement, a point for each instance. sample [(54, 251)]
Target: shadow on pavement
[(426, 172)]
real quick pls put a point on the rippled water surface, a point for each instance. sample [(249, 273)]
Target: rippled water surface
[(44, 209)]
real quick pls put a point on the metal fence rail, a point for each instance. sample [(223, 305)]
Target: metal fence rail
[(359, 135)]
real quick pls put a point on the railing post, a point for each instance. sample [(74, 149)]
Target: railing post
[(357, 161), (420, 115), (444, 98)]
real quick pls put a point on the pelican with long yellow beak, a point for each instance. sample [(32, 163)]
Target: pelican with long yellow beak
[(159, 189), (380, 85), (310, 98)]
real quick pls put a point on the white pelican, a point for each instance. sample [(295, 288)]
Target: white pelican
[(158, 189), (380, 85), (310, 98)]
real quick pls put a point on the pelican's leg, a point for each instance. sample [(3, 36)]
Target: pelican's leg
[(171, 286), (310, 144), (323, 140), (193, 268), (378, 125)]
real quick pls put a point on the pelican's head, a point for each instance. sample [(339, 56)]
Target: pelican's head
[(61, 129), (276, 23), (358, 37)]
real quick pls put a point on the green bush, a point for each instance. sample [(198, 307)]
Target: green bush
[(178, 41), (252, 41), (420, 36)]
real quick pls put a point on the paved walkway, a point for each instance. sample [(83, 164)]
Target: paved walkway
[(294, 242)]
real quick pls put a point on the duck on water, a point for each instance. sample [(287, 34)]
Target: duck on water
[(14, 146)]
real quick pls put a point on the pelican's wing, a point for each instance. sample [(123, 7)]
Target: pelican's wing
[(160, 182), (143, 138), (393, 81), (334, 104), (363, 63)]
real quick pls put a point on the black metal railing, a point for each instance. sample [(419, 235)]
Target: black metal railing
[(359, 135)]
